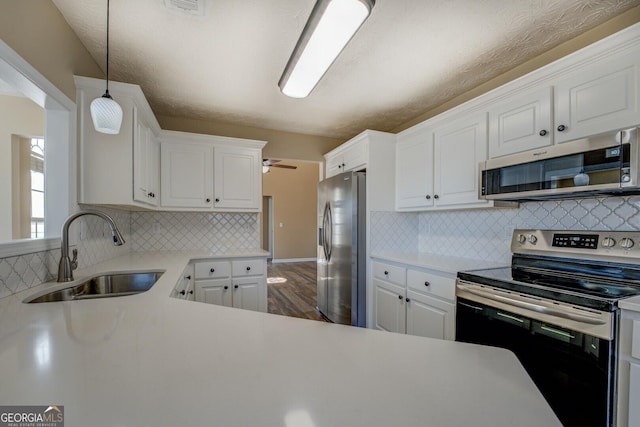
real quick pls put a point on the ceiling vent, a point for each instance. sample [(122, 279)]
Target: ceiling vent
[(186, 7)]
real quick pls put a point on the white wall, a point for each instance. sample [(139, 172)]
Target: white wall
[(18, 116)]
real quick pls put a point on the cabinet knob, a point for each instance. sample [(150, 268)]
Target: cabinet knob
[(400, 297), (235, 286), (182, 292), (217, 200), (190, 292), (225, 287), (407, 300), (339, 166), (213, 270), (188, 277), (543, 132), (428, 197), (427, 283), (436, 196), (208, 200), (562, 128), (386, 273), (248, 268)]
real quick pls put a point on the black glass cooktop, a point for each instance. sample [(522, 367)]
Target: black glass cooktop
[(590, 284)]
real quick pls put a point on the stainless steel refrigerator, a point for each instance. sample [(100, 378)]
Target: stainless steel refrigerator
[(342, 248)]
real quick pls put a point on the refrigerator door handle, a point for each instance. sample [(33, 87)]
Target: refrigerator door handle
[(329, 234), (324, 231)]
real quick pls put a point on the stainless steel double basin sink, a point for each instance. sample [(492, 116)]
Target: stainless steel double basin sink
[(101, 286)]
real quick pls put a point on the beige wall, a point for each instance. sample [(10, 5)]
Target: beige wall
[(18, 116), (295, 194), (38, 32), (612, 26), (281, 145)]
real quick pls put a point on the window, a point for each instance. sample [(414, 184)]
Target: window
[(37, 188)]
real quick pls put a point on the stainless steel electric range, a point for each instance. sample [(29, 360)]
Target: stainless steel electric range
[(556, 308)]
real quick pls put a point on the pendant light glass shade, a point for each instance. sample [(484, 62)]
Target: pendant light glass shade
[(105, 112), (330, 27), (106, 115)]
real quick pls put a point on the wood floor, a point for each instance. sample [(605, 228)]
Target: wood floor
[(291, 290)]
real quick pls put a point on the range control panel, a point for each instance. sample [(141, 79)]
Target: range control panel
[(622, 246), (585, 241)]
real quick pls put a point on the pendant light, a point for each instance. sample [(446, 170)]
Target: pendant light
[(331, 25), (105, 112)]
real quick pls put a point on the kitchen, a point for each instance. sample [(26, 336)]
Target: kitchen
[(458, 232)]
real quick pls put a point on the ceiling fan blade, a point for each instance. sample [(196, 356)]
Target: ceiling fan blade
[(269, 162), (284, 166)]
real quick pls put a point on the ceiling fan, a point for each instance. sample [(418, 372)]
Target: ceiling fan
[(267, 164)]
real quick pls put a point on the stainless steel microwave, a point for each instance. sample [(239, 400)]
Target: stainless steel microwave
[(606, 163)]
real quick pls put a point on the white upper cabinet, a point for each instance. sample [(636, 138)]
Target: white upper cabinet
[(210, 172), (350, 156), (459, 147), (187, 174), (414, 170), (146, 165), (599, 97), (437, 168), (238, 178), (117, 169), (522, 123)]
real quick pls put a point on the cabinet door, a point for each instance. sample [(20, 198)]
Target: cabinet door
[(246, 293), (458, 150), (634, 395), (187, 175), (153, 168), (521, 124), (389, 307), (334, 165), (355, 156), (414, 170), (429, 317), (238, 178), (141, 162), (600, 97), (217, 292)]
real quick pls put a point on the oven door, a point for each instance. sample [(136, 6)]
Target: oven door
[(573, 368)]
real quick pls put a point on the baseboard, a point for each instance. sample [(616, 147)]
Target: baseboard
[(277, 261)]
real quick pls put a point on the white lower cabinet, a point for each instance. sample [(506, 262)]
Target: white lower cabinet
[(413, 301), (239, 283), (628, 395), (185, 288)]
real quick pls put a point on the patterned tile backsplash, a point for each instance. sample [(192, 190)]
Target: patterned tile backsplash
[(213, 232), (479, 234), (485, 233)]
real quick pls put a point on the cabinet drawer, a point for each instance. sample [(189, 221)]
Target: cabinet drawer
[(247, 267), (213, 269), (431, 284), (389, 273), (635, 340)]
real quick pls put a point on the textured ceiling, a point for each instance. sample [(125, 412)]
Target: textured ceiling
[(410, 55)]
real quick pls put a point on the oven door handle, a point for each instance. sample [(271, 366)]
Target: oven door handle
[(533, 307)]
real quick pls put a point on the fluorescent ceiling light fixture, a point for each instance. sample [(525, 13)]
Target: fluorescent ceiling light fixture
[(105, 112), (330, 27)]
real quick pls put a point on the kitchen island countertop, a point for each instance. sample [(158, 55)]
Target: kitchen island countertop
[(152, 360)]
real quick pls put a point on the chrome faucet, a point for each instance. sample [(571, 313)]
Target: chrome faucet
[(66, 266)]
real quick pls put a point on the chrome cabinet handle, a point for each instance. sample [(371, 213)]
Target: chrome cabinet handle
[(562, 128), (543, 132), (428, 197)]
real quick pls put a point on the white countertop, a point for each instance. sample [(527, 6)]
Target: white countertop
[(445, 264), (151, 360), (632, 303)]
